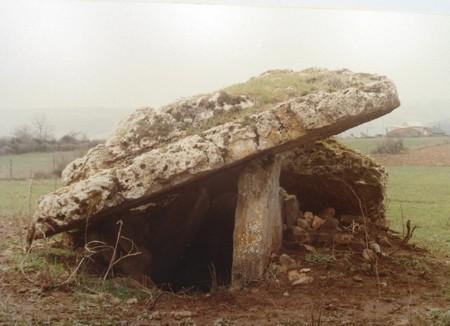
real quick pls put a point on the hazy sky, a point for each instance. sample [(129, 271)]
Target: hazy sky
[(86, 64)]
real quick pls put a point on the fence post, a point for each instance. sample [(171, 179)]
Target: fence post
[(55, 175), (30, 192)]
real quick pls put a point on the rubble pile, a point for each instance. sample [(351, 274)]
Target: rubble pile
[(325, 227)]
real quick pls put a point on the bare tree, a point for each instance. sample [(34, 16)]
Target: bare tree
[(23, 133), (42, 129)]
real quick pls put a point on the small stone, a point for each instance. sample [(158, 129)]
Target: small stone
[(297, 230), (369, 255), (115, 300), (181, 314), (357, 278), (304, 279), (375, 247), (317, 222), (288, 262), (343, 238), (132, 301), (327, 213), (330, 223), (305, 270), (156, 315), (223, 322), (309, 248), (22, 290), (301, 235), (303, 223), (188, 322), (309, 216), (293, 275), (296, 278), (286, 294), (275, 268)]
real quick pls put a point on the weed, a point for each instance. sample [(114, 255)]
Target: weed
[(319, 259), (390, 146), (121, 288), (272, 274), (414, 263), (440, 317), (223, 322)]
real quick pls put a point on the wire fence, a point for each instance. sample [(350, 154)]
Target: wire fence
[(39, 165)]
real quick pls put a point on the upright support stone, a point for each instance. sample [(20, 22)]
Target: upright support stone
[(258, 229)]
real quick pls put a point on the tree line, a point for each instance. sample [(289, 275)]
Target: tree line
[(38, 136)]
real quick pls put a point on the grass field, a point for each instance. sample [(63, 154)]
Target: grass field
[(367, 145), (422, 193), (14, 194), (23, 165)]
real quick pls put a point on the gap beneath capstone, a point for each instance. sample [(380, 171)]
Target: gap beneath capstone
[(185, 239)]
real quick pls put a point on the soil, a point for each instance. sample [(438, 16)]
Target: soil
[(406, 288), (438, 155)]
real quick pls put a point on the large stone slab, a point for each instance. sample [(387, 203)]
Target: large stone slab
[(155, 151)]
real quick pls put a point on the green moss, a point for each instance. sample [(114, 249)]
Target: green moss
[(267, 90), (278, 86), (319, 259), (219, 119)]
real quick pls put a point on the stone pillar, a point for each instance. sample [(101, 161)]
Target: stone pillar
[(258, 229)]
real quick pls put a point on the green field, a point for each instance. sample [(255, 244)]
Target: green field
[(39, 164), (421, 192), (367, 145), (14, 194)]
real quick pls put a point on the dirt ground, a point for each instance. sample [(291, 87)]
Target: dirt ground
[(438, 155), (407, 288)]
